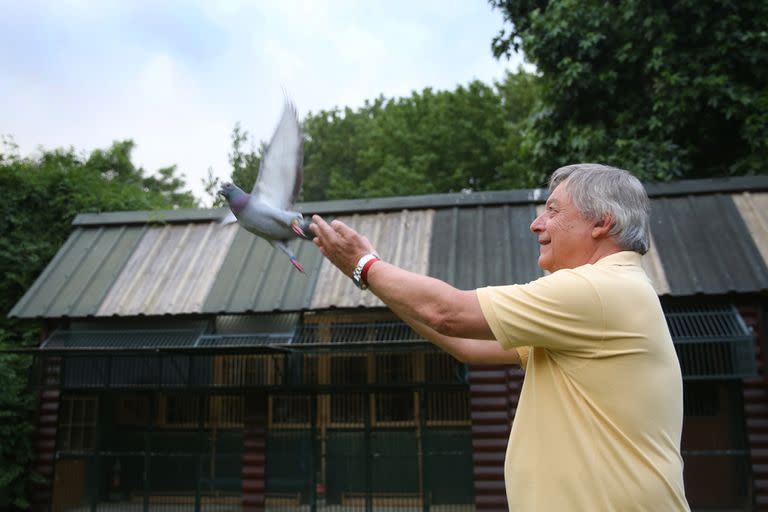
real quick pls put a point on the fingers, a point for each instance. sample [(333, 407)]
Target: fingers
[(325, 235), (319, 226), (335, 228), (341, 244), (342, 229)]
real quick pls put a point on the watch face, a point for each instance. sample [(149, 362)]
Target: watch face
[(357, 273)]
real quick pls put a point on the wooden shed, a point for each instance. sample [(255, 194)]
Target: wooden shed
[(187, 366)]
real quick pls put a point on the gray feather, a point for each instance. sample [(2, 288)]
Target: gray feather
[(268, 210), (281, 170)]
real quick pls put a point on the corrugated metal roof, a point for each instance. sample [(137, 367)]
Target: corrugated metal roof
[(753, 208), (170, 270), (705, 247), (81, 274), (652, 265), (257, 278), (484, 246), (401, 238), (184, 262)]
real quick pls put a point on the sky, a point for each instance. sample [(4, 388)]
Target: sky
[(176, 76)]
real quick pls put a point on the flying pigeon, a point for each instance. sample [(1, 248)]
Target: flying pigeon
[(268, 210)]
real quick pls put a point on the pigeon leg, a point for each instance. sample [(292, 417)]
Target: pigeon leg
[(281, 245), (301, 228)]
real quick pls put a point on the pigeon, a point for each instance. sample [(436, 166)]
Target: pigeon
[(268, 210)]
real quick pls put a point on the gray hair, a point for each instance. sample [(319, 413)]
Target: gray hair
[(599, 190)]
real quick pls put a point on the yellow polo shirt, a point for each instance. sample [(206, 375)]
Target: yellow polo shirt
[(600, 415)]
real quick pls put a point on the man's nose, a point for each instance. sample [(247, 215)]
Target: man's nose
[(538, 224)]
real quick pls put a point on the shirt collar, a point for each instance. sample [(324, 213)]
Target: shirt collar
[(621, 258)]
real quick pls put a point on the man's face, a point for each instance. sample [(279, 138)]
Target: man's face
[(565, 236)]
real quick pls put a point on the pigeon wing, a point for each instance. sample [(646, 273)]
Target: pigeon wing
[(281, 170)]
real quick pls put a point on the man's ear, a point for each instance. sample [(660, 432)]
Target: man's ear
[(602, 227)]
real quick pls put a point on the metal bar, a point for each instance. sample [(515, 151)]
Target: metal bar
[(368, 453), (94, 467), (423, 454), (146, 350), (313, 453), (201, 440), (153, 407)]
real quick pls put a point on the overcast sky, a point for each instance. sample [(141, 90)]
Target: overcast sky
[(175, 76)]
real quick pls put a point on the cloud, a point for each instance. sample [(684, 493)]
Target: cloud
[(176, 76)]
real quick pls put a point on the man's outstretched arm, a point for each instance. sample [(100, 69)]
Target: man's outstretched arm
[(464, 349), (428, 301)]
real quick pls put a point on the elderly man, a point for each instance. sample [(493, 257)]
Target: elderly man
[(600, 415)]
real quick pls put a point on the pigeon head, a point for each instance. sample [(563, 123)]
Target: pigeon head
[(234, 195)]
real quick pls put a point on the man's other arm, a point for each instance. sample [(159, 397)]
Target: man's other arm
[(466, 350)]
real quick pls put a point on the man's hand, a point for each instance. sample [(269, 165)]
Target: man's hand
[(428, 301), (342, 245)]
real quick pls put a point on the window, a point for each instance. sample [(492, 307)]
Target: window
[(394, 409), (132, 410), (399, 368), (448, 408), (311, 369), (77, 423), (226, 411), (289, 411), (179, 410), (248, 370), (441, 367), (349, 369), (346, 410)]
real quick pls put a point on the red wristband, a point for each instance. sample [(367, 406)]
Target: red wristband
[(366, 267)]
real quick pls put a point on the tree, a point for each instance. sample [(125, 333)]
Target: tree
[(245, 164), (42, 195), (667, 90), (335, 139), (211, 184), (471, 138)]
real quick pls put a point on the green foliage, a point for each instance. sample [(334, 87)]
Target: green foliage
[(335, 141), (211, 185), (245, 164), (16, 451), (41, 196), (472, 138), (666, 90)]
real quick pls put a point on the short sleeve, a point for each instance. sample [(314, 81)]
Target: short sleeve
[(524, 354), (561, 311)]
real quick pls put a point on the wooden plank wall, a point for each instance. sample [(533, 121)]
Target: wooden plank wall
[(494, 392), (756, 408), (45, 434), (254, 452)]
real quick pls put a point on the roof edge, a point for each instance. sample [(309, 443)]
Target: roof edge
[(181, 215), (708, 186), (450, 200)]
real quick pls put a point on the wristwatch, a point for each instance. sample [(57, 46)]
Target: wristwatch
[(359, 275)]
